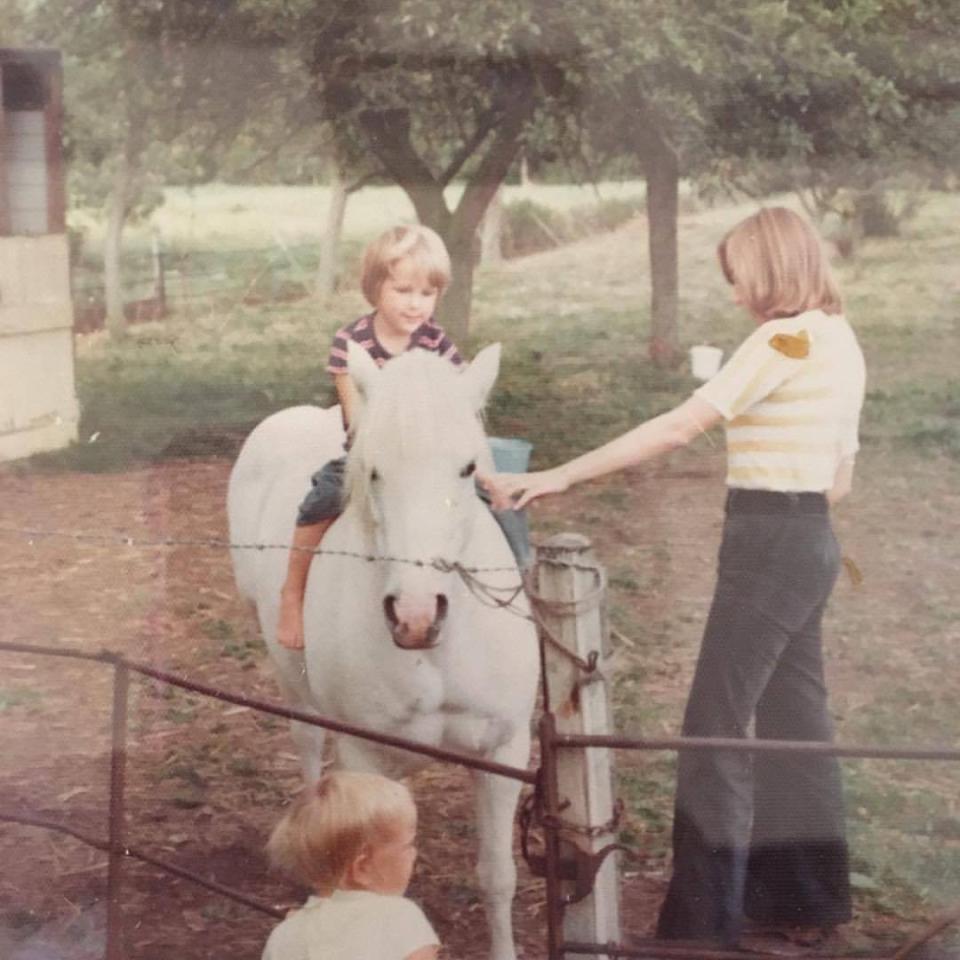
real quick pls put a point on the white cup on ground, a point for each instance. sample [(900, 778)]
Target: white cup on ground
[(705, 361)]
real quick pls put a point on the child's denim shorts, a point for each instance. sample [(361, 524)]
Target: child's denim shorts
[(324, 498)]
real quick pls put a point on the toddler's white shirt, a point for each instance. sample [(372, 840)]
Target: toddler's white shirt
[(351, 925)]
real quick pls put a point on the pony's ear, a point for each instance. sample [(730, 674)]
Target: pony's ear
[(362, 369), (480, 376)]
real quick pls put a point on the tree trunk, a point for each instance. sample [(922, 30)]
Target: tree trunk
[(525, 180), (453, 313), (389, 138), (491, 230), (332, 230), (117, 208), (159, 273), (663, 183)]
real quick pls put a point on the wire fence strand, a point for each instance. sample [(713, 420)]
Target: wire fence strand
[(500, 596)]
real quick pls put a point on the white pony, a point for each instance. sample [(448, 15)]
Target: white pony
[(393, 645)]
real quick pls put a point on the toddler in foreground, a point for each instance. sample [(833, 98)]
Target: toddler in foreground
[(352, 840)]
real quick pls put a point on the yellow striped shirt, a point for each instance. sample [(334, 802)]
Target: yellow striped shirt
[(790, 420)]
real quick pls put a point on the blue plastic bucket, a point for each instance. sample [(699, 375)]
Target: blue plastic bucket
[(510, 455)]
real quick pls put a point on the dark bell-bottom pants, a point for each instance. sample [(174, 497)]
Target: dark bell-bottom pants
[(761, 834)]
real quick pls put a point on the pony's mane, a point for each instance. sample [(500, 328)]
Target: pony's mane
[(416, 409)]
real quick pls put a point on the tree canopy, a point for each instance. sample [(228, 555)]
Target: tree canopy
[(440, 97), (445, 90)]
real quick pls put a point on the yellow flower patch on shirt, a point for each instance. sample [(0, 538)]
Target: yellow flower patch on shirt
[(797, 347)]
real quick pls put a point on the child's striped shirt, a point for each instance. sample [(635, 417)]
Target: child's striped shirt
[(428, 336)]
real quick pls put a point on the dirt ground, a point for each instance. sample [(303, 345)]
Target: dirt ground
[(207, 779)]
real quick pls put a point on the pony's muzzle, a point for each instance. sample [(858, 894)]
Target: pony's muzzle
[(415, 626)]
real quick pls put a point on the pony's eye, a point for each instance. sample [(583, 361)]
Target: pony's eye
[(374, 476), (468, 469)]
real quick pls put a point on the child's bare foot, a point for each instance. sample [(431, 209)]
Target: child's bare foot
[(290, 627)]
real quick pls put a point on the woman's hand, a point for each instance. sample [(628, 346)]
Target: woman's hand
[(515, 490)]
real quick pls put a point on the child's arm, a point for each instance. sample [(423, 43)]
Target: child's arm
[(430, 952), (346, 394)]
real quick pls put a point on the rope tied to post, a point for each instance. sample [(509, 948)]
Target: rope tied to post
[(505, 597), (562, 609)]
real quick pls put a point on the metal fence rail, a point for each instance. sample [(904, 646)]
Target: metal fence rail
[(582, 741), (279, 710), (551, 742), (135, 853), (116, 846), (549, 802)]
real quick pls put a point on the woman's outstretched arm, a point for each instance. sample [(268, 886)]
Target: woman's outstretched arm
[(663, 433)]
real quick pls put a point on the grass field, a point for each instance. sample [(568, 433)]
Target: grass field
[(574, 322), (227, 215)]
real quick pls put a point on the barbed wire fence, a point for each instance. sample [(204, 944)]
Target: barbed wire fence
[(492, 595)]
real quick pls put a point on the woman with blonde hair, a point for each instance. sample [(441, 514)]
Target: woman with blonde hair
[(761, 835)]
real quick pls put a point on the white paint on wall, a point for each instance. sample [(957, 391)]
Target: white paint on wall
[(38, 404)]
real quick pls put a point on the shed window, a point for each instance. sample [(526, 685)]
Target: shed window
[(23, 87), (30, 188)]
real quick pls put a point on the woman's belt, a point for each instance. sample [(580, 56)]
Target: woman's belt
[(775, 501)]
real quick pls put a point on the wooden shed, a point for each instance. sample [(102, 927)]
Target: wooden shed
[(38, 405)]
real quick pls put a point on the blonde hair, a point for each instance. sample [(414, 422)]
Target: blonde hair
[(421, 244), (778, 263), (330, 825)]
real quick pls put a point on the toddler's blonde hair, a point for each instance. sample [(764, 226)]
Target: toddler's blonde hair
[(421, 244), (330, 825), (778, 263)]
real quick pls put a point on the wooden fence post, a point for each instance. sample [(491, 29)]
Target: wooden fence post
[(115, 949), (572, 594)]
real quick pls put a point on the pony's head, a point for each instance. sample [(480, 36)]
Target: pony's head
[(417, 443)]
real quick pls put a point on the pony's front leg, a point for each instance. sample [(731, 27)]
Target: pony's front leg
[(309, 742), (308, 739), (496, 803)]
